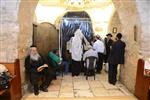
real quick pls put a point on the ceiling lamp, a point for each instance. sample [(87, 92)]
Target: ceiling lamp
[(76, 2)]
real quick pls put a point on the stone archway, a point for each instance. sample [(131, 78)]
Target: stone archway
[(25, 19), (128, 16), (123, 13), (19, 24)]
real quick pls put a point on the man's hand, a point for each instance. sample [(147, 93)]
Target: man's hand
[(61, 59), (45, 65), (39, 69)]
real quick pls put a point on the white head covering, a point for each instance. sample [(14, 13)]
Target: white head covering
[(78, 33), (76, 46), (3, 68)]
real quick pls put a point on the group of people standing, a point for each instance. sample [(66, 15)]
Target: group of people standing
[(111, 52), (106, 51)]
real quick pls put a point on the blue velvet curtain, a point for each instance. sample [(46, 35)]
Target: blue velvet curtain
[(70, 23)]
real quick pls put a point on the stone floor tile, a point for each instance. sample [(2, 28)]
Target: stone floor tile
[(43, 94), (83, 93), (66, 89), (99, 92), (125, 90), (66, 94), (49, 94), (108, 86), (115, 93), (54, 87), (56, 82), (79, 79), (68, 86), (81, 85), (94, 84)]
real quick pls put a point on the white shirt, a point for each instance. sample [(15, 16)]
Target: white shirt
[(3, 68), (147, 65), (89, 53), (99, 46)]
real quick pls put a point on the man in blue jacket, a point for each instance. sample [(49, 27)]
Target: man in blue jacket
[(116, 57)]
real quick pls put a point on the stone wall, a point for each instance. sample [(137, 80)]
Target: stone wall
[(25, 19), (144, 13), (133, 14), (17, 25), (129, 18), (16, 30), (9, 30), (114, 22)]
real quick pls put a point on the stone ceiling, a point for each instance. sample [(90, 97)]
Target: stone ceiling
[(77, 4), (100, 11)]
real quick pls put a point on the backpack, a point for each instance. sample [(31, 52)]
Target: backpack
[(4, 80)]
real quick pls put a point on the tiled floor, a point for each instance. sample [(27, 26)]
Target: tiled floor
[(78, 87)]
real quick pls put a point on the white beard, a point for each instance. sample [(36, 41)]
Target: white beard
[(34, 57)]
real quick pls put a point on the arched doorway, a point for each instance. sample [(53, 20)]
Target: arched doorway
[(70, 22), (26, 19)]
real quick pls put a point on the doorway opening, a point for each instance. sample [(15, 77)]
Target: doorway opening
[(69, 23)]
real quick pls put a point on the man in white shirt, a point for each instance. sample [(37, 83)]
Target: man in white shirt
[(90, 52), (98, 46)]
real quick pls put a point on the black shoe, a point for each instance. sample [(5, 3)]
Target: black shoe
[(55, 78), (36, 92), (98, 72), (44, 89), (113, 83), (73, 75)]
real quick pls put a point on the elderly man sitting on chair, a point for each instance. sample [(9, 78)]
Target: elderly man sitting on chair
[(89, 53), (36, 67)]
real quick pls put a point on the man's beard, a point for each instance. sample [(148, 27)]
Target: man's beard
[(34, 57)]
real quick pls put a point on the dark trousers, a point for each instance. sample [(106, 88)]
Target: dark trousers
[(105, 58), (76, 68), (99, 62), (112, 73), (46, 78)]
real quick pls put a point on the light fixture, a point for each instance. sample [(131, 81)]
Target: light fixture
[(72, 2)]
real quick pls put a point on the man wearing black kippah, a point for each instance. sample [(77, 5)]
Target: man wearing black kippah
[(116, 57), (108, 43)]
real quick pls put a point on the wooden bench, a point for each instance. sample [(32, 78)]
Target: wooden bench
[(142, 85), (15, 83)]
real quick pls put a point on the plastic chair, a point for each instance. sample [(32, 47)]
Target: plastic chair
[(90, 64)]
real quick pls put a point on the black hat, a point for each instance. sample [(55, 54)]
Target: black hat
[(119, 35), (33, 46), (109, 34)]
